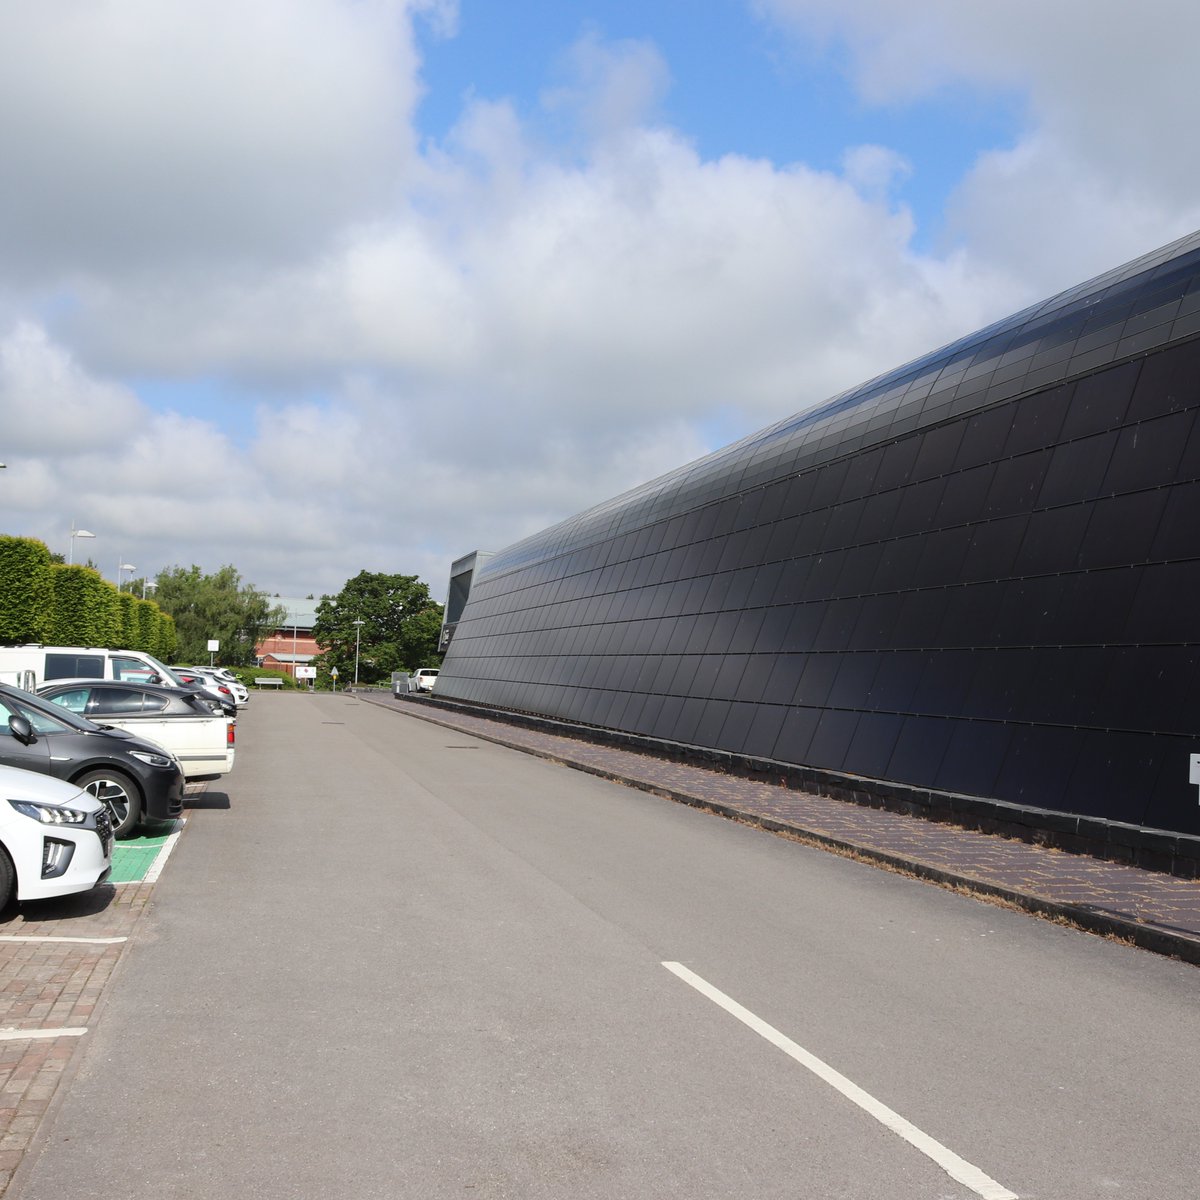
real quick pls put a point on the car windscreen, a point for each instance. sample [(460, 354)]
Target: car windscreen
[(168, 675), (42, 715)]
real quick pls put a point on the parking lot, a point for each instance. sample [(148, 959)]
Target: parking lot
[(392, 959)]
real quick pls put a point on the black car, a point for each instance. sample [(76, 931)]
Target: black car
[(137, 780)]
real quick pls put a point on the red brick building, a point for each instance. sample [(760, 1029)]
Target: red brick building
[(292, 643)]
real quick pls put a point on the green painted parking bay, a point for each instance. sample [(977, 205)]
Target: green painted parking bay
[(134, 858)]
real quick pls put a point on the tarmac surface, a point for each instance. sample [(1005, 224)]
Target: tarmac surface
[(1155, 911), (52, 987)]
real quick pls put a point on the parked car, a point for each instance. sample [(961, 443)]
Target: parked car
[(424, 679), (212, 689), (241, 693), (181, 721), (32, 665), (55, 838), (136, 780)]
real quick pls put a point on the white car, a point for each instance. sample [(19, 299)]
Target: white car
[(424, 679), (54, 838), (241, 693), (179, 721)]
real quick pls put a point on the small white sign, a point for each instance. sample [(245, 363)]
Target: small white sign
[(306, 672), (213, 645)]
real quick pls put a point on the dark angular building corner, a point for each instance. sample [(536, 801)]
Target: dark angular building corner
[(974, 577)]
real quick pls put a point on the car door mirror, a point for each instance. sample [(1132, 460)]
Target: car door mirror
[(21, 729)]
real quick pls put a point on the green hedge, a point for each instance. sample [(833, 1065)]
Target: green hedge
[(57, 604), (26, 591), (86, 609)]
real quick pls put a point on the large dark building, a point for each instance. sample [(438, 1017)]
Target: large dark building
[(978, 574)]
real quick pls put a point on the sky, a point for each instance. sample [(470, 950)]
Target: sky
[(312, 287)]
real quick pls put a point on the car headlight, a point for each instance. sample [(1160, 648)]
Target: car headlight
[(153, 760), (49, 814)]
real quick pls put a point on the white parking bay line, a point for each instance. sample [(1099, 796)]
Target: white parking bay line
[(76, 941), (160, 859), (25, 1035), (957, 1168)]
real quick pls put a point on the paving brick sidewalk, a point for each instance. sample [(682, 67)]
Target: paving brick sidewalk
[(56, 958), (1155, 911)]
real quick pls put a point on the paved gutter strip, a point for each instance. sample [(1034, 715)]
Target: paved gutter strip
[(1154, 911)]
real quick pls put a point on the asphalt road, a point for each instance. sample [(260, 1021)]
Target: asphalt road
[(407, 963)]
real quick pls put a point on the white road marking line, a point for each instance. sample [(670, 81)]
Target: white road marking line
[(957, 1168), (160, 859), (19, 1035), (81, 941)]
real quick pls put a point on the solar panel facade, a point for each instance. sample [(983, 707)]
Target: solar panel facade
[(976, 574)]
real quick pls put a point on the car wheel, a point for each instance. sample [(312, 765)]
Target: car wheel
[(118, 794), (8, 880)]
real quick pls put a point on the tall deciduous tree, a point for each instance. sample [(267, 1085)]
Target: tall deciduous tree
[(217, 606), (399, 630)]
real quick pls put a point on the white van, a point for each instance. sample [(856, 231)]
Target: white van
[(30, 666)]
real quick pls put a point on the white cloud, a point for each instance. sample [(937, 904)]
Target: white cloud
[(609, 87), (49, 404), (874, 170), (149, 134), (1101, 170), (450, 347), (640, 287)]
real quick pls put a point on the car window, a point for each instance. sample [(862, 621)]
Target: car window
[(74, 701), (111, 702), (74, 666), (132, 669), (42, 722)]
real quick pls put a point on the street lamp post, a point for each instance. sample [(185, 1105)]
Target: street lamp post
[(121, 569), (147, 583), (76, 533), (357, 635)]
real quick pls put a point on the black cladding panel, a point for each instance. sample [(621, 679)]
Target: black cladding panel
[(978, 573)]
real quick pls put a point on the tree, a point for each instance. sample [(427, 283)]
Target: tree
[(217, 606), (399, 630)]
